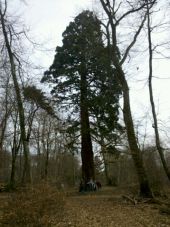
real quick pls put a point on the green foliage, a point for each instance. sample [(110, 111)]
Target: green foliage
[(83, 52), (36, 96), (79, 40)]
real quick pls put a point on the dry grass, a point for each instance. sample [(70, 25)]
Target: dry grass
[(38, 206), (44, 206), (108, 211)]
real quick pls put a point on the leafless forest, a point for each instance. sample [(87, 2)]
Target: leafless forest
[(72, 150)]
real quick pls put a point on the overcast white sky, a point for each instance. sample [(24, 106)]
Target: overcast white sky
[(48, 19)]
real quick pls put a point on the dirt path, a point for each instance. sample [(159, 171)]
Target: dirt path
[(109, 211)]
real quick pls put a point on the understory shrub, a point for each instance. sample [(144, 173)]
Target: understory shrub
[(41, 205)]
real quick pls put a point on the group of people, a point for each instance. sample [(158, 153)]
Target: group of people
[(89, 186)]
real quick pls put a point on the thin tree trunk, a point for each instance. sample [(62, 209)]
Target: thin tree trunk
[(26, 178), (46, 145), (13, 168), (6, 116), (157, 138), (46, 161), (103, 152), (38, 152), (108, 180), (15, 149)]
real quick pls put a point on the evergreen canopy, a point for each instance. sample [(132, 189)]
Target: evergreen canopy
[(83, 49)]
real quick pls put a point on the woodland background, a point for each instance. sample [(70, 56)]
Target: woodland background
[(78, 121)]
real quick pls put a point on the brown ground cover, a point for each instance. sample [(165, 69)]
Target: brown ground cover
[(105, 208), (108, 209)]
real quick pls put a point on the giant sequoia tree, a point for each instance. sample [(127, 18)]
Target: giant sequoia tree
[(81, 74)]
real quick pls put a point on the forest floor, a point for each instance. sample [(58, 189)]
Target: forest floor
[(104, 208), (107, 208)]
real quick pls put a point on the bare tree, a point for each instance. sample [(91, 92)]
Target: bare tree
[(6, 110), (9, 33), (15, 146), (118, 59), (155, 122)]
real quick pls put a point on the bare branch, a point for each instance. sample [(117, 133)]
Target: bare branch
[(105, 7), (118, 8), (5, 9), (133, 10), (133, 41), (130, 12)]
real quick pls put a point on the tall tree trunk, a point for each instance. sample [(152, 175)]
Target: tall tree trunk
[(26, 178), (108, 180), (46, 144), (37, 135), (13, 168), (46, 161), (145, 190), (157, 138), (105, 162), (86, 143), (3, 123), (15, 149)]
